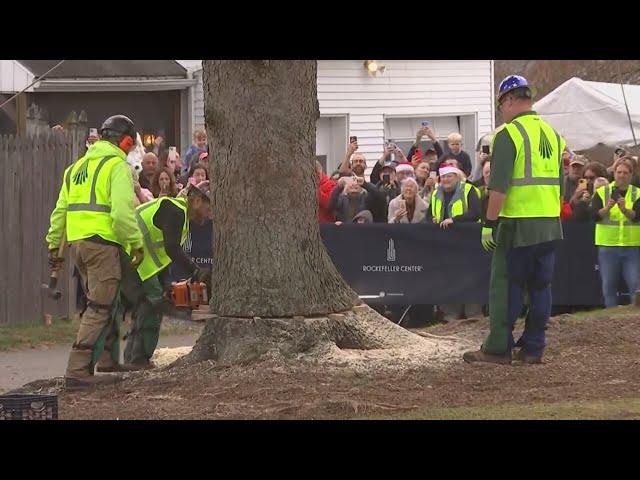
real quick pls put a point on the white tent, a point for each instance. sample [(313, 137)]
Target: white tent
[(588, 113)]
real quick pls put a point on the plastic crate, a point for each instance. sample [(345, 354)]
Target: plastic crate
[(28, 407)]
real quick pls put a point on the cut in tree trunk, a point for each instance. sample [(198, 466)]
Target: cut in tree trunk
[(274, 286)]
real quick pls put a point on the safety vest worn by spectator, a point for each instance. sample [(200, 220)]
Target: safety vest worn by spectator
[(535, 185), (616, 230), (155, 256), (87, 183), (458, 204)]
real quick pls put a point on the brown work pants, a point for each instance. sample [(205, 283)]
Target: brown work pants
[(99, 267)]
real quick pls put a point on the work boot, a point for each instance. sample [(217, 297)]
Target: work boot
[(79, 363), (72, 384), (480, 356), (522, 356), (117, 367)]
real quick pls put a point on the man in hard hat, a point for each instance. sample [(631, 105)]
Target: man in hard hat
[(164, 223), (522, 225), (95, 207)]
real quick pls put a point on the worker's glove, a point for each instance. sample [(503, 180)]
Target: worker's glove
[(137, 255), (202, 274), (488, 237), (55, 262)]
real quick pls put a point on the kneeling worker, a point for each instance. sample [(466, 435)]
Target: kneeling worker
[(164, 223)]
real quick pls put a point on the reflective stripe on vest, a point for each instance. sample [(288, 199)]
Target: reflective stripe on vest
[(155, 256), (618, 231), (93, 205), (528, 178), (607, 196), (534, 188), (152, 247), (88, 183), (459, 197)]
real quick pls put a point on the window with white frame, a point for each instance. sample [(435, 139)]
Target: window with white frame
[(402, 130)]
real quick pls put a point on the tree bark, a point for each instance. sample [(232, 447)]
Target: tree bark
[(274, 287), (268, 257)]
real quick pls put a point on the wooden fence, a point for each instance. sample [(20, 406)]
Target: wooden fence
[(32, 168)]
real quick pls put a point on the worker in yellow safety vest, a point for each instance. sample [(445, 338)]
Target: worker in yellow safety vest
[(164, 223), (616, 209), (522, 225), (95, 211)]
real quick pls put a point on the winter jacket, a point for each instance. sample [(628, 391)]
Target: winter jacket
[(370, 200), (419, 213), (325, 188)]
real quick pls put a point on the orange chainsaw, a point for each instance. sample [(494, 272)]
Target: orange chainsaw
[(189, 294)]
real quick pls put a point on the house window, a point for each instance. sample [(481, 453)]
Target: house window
[(331, 141), (402, 130)]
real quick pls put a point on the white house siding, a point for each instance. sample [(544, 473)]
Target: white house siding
[(198, 101), (13, 76), (412, 88), (423, 89)]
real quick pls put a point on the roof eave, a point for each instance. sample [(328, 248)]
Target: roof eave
[(113, 84)]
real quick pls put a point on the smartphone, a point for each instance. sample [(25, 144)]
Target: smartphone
[(433, 175), (386, 179), (425, 124), (485, 149), (583, 182), (353, 139), (93, 132), (173, 153)]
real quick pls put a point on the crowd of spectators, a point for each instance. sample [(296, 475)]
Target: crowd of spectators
[(442, 185)]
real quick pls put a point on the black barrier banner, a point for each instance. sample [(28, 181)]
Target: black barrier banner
[(198, 246), (424, 264)]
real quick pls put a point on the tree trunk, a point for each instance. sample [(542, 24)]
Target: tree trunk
[(269, 259), (274, 286)]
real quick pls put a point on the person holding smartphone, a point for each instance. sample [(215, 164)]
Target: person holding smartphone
[(407, 207), (483, 154), (352, 195), (354, 163), (576, 169), (616, 210), (581, 199), (390, 153), (426, 181), (425, 130)]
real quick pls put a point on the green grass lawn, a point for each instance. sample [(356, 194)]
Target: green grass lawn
[(618, 409), (63, 331), (29, 335)]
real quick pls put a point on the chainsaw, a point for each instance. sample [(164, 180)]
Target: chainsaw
[(189, 294)]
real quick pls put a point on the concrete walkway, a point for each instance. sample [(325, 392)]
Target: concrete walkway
[(24, 366)]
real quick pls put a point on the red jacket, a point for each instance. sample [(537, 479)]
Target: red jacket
[(566, 212), (324, 195)]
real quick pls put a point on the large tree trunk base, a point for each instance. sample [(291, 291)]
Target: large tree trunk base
[(359, 338)]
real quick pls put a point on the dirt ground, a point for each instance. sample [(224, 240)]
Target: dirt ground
[(587, 358)]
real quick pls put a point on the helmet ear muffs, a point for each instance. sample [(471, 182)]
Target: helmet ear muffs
[(127, 143)]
